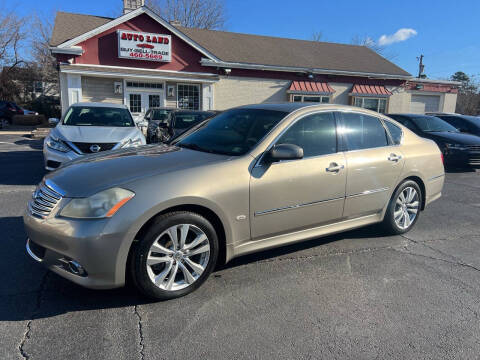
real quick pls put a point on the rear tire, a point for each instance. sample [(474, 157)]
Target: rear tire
[(403, 209), (176, 255)]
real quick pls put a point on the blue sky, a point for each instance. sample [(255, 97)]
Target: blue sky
[(447, 31)]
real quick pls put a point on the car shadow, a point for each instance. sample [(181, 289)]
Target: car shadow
[(31, 292), (24, 167), (372, 231)]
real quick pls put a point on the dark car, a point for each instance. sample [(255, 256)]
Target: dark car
[(459, 149), (8, 110), (464, 123), (178, 122), (155, 116)]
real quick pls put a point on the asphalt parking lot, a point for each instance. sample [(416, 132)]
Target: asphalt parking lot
[(357, 295)]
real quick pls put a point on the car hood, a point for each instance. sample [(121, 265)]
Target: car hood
[(96, 134), (454, 138), (93, 173)]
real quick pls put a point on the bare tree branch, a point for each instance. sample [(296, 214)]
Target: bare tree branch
[(203, 14), (317, 36)]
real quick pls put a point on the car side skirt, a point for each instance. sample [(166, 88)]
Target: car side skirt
[(290, 238)]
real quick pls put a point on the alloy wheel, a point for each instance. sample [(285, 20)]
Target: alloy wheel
[(406, 207), (178, 257)]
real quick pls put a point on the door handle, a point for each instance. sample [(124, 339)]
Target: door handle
[(334, 167), (394, 157)]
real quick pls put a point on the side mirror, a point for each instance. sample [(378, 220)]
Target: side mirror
[(53, 121), (163, 125), (285, 152)]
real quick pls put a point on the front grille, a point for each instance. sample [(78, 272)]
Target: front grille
[(86, 148), (473, 147), (44, 200)]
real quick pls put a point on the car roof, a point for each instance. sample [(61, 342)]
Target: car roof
[(411, 115), (100, 105), (293, 106)]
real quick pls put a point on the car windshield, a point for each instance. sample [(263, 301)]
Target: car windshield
[(432, 124), (233, 132), (98, 116), (187, 120), (160, 114)]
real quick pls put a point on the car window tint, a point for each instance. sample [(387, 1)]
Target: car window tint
[(395, 132), (363, 131), (315, 134)]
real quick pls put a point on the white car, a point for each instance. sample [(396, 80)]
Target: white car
[(88, 128)]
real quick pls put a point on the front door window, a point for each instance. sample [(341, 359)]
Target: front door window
[(135, 103)]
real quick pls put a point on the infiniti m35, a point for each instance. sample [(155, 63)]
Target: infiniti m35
[(249, 179)]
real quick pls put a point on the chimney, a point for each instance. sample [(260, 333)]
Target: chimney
[(130, 5)]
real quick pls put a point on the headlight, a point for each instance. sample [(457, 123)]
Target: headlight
[(56, 144), (455, 147), (100, 205), (132, 142)]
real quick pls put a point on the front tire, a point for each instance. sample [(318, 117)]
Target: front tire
[(404, 208), (176, 255)]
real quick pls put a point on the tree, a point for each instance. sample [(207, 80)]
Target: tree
[(373, 45), (468, 99), (12, 37), (43, 65), (203, 14), (317, 36)]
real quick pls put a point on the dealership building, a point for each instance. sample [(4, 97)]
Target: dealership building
[(141, 60)]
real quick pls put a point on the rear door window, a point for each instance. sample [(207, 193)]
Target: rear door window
[(395, 132)]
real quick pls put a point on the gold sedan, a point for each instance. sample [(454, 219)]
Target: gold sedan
[(249, 179)]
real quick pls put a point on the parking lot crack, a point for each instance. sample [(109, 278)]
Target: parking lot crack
[(140, 332), (447, 257), (35, 313)]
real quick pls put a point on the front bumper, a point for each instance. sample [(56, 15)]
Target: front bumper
[(462, 158), (55, 242), (54, 159)]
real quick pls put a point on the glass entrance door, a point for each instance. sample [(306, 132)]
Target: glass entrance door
[(140, 102)]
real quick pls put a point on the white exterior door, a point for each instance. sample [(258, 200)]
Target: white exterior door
[(140, 101), (421, 104)]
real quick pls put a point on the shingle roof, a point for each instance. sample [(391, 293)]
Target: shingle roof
[(68, 26), (267, 50), (254, 49)]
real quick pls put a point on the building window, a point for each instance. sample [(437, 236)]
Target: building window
[(153, 101), (135, 103), (375, 104), (143, 85), (310, 98), (188, 97)]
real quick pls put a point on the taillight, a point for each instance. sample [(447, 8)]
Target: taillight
[(443, 159)]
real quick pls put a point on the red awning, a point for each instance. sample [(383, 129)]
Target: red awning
[(310, 87), (370, 90)]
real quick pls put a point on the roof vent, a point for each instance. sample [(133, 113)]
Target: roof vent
[(175, 23), (130, 5)]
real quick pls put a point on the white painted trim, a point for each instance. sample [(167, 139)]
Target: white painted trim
[(74, 50), (144, 69), (134, 76), (223, 64), (131, 15)]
